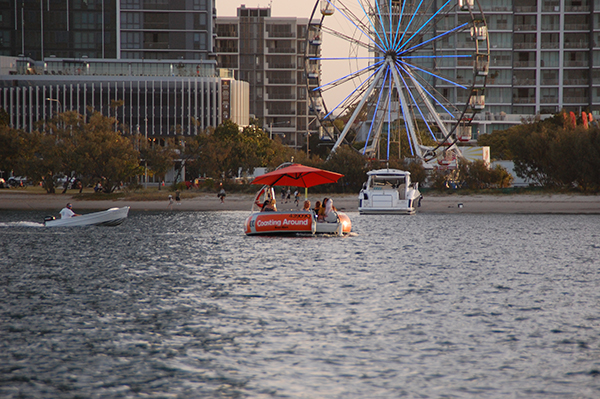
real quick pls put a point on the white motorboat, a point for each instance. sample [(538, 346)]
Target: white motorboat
[(389, 191), (109, 217)]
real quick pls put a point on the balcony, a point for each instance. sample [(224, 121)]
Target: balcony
[(524, 64), (527, 45), (280, 81), (549, 82), (551, 7), (524, 82), (576, 63), (577, 27), (550, 45), (576, 82), (280, 96), (549, 100), (570, 8), (524, 100), (226, 50), (577, 45), (279, 65), (575, 100), (525, 8), (280, 111), (522, 27), (280, 35), (281, 50)]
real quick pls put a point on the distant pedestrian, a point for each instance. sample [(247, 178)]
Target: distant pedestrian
[(178, 197), (222, 194), (170, 206), (297, 198), (282, 195), (288, 196)]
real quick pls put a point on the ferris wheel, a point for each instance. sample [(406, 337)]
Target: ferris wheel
[(413, 71)]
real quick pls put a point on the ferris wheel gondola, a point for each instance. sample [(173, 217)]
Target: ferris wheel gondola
[(415, 68)]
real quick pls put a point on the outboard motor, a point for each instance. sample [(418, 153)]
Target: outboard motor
[(48, 218)]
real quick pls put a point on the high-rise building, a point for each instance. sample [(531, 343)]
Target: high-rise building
[(544, 57), (268, 52), (131, 29), (146, 62)]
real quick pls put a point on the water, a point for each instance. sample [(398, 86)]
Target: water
[(181, 305)]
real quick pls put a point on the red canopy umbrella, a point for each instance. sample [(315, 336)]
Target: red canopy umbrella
[(297, 175)]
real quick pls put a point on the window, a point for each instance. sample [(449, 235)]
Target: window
[(131, 20), (131, 40)]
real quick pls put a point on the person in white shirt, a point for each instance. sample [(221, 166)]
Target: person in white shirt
[(67, 212)]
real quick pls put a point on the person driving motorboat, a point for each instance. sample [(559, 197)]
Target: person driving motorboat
[(67, 212)]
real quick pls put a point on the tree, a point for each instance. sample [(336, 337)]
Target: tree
[(352, 165), (227, 150), (160, 158), (11, 148), (100, 153)]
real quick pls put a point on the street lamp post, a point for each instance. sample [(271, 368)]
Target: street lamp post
[(59, 104)]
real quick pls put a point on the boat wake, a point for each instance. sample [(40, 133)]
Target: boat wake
[(21, 224)]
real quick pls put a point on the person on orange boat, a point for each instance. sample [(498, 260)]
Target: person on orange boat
[(322, 214), (269, 206), (306, 206), (317, 208), (330, 215)]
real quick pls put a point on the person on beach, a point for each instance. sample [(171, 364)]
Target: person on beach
[(222, 194), (170, 206), (178, 197), (67, 212)]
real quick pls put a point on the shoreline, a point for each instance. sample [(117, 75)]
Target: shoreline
[(438, 203)]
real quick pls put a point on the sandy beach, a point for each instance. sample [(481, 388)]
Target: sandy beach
[(15, 199)]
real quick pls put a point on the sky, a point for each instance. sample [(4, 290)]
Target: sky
[(298, 9)]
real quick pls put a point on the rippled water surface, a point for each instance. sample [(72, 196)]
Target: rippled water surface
[(184, 305)]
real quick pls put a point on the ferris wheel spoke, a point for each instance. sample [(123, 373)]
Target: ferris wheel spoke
[(425, 120), (347, 38), (395, 42), (350, 76), (347, 58), (433, 39), (406, 29), (353, 92), (387, 45), (412, 66), (356, 111), (375, 113), (425, 24), (389, 115), (357, 27), (370, 22), (417, 83)]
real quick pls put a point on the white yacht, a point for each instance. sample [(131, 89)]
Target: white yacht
[(389, 191)]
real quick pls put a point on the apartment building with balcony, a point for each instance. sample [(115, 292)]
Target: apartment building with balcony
[(268, 53), (544, 57)]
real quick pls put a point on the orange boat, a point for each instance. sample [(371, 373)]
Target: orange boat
[(261, 222)]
